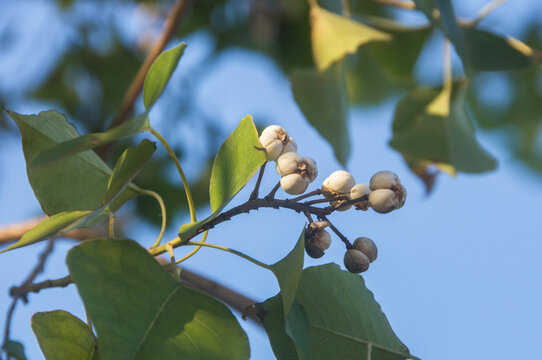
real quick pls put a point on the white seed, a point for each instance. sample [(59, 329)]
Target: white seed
[(290, 146), (321, 239), (366, 246), (273, 139), (339, 181), (312, 169), (294, 184), (384, 180), (383, 200), (359, 190), (289, 163), (355, 261)]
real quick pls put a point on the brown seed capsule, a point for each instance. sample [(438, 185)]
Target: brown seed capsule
[(366, 246), (355, 261), (383, 200), (384, 180)]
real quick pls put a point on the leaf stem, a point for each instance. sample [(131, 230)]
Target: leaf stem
[(235, 252), (339, 234), (173, 264), (486, 10), (193, 252), (111, 225), (164, 215)]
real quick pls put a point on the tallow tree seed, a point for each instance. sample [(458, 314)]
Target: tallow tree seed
[(339, 182), (400, 193), (366, 246), (290, 146), (321, 238), (289, 163), (314, 251), (273, 139), (359, 191), (383, 200), (384, 180), (294, 184), (355, 261)]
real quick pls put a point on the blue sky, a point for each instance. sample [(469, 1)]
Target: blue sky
[(458, 273)]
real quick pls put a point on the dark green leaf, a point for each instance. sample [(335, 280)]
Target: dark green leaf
[(488, 52), (424, 129), (62, 336), (237, 161), (14, 349), (323, 101), (161, 70), (53, 225), (288, 272), (127, 167), (274, 324), (334, 36), (78, 182), (334, 316), (141, 312), (90, 141)]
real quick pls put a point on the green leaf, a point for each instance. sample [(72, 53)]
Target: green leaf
[(334, 317), (14, 349), (486, 51), (78, 182), (53, 225), (90, 141), (334, 36), (274, 324), (127, 167), (62, 336), (158, 76), (428, 126), (323, 101), (235, 164), (479, 50), (288, 273), (141, 312)]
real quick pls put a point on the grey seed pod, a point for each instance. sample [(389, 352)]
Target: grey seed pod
[(401, 194), (384, 180), (314, 251), (289, 163), (383, 200), (366, 246), (339, 182), (355, 261), (321, 238), (273, 139)]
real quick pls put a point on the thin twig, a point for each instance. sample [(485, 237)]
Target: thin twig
[(486, 10), (254, 194), (339, 234), (30, 278), (23, 290), (271, 194), (307, 195)]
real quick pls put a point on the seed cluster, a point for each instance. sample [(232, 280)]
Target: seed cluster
[(383, 194)]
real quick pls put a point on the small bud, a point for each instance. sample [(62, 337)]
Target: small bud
[(294, 184), (338, 183), (355, 261), (384, 180), (273, 139), (383, 200), (366, 246), (289, 163), (290, 146)]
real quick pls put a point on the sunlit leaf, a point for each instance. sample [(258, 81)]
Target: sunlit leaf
[(349, 322), (322, 99), (62, 336), (334, 36), (288, 273), (90, 141), (141, 312), (127, 167), (237, 161), (78, 182), (423, 132), (53, 225), (158, 76)]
